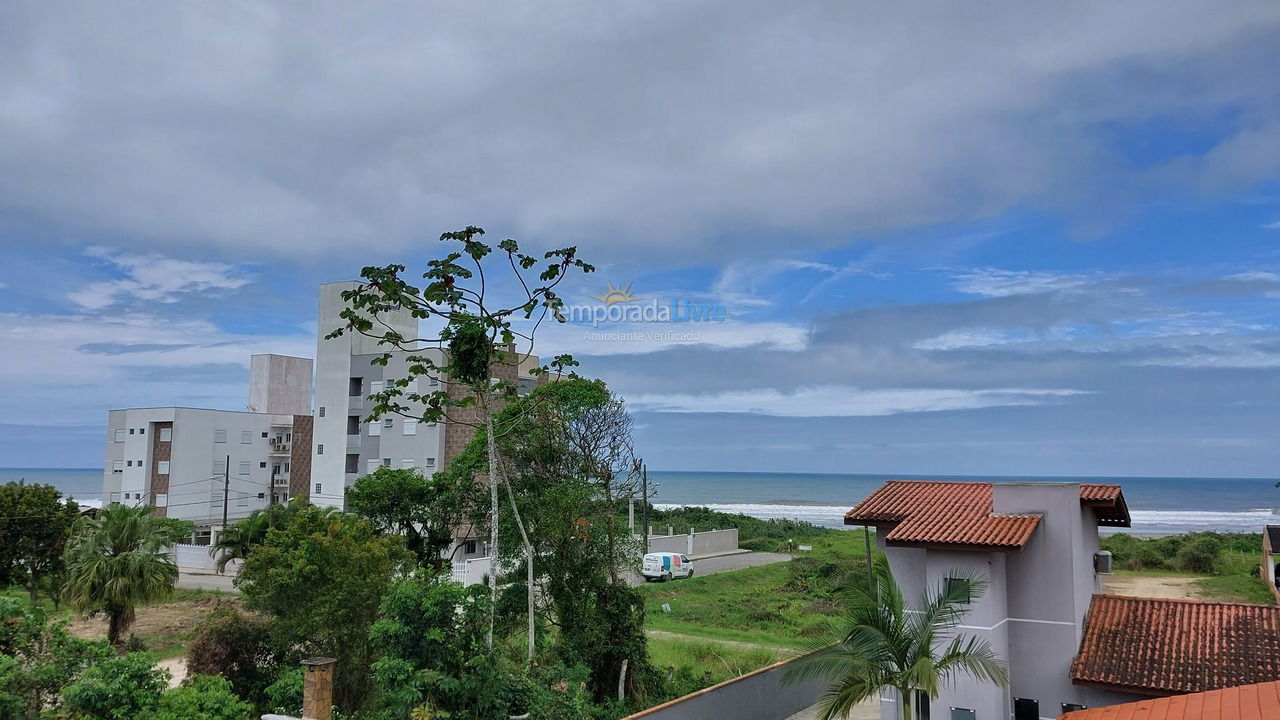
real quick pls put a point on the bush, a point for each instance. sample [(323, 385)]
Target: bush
[(1202, 554), (38, 659), (118, 688), (207, 697), (236, 646)]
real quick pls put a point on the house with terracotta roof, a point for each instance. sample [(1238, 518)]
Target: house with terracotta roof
[(1271, 557), (1068, 646), (1037, 545), (1260, 701)]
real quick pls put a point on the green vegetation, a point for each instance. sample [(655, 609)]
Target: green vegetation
[(753, 533), (779, 606), (1227, 564)]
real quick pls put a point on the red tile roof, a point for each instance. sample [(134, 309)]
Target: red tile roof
[(959, 513), (1160, 646), (1247, 702)]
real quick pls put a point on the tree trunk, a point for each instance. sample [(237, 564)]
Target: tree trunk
[(528, 567), (492, 447), (117, 624)]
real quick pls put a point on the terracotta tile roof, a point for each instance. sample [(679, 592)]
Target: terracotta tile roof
[(1159, 645), (1107, 502), (1247, 702), (959, 513)]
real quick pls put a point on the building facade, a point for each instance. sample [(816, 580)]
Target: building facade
[(1036, 545), (184, 461)]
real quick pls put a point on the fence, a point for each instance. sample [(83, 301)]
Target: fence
[(760, 695), (471, 572), (698, 543), (196, 558)]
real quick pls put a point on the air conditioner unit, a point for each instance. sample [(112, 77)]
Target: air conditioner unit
[(1102, 562)]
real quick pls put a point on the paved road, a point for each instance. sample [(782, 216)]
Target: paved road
[(725, 563), (201, 581), (706, 566)]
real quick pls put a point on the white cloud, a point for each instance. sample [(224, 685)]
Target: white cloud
[(154, 278), (1273, 226), (645, 338), (994, 282), (843, 401)]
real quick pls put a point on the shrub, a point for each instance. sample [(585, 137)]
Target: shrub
[(207, 697), (236, 646), (118, 688), (38, 659), (1202, 554)]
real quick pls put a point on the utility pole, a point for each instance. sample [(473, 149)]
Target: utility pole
[(644, 510), (226, 491)]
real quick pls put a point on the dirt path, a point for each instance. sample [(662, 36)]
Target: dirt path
[(166, 628), (177, 668), (741, 644), (1164, 586)]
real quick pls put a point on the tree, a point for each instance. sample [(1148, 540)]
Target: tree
[(37, 659), (479, 333), (887, 644), (118, 688), (207, 697), (235, 542), (236, 646), (424, 510), (118, 561), (321, 578), (34, 525)]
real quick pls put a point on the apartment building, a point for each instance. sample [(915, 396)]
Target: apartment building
[(176, 458), (346, 446)]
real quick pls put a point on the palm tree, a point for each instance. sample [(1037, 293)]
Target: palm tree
[(116, 562), (237, 540), (887, 644)]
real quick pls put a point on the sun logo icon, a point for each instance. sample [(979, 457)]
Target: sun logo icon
[(616, 295)]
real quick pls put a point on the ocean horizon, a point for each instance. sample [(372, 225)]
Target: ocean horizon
[(1157, 504)]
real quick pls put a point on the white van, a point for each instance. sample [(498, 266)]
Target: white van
[(665, 566)]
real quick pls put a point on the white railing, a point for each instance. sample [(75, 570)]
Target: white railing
[(471, 572)]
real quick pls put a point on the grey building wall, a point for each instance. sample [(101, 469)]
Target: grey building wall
[(280, 384)]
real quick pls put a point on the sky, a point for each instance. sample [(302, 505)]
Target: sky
[(939, 238)]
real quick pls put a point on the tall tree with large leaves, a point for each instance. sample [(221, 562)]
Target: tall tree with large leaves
[(425, 510), (887, 644), (118, 561), (477, 315)]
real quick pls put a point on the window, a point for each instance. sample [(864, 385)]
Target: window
[(139, 462), (219, 436), (1072, 707), (963, 714), (386, 462), (959, 588), (242, 500), (410, 427), (264, 434), (162, 467), (126, 496), (321, 411), (353, 387), (132, 431), (471, 547), (162, 499), (275, 469), (433, 382), (317, 488), (244, 467), (388, 422), (166, 434), (353, 424), (117, 466), (128, 463), (412, 387), (375, 429), (262, 464), (142, 431), (1026, 709), (246, 437), (431, 462), (219, 466), (320, 449), (120, 435), (406, 462), (921, 705), (375, 387), (370, 465), (353, 463)]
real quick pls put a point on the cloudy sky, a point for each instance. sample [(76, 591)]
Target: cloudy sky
[(1007, 239)]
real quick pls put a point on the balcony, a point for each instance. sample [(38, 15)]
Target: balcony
[(280, 480), (355, 402), (281, 448)]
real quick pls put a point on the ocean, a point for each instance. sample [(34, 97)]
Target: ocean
[(1157, 505)]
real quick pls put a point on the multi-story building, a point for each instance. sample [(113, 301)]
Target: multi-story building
[(346, 446), (184, 461)]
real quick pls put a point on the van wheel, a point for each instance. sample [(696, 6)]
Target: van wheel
[(667, 577), (690, 574)]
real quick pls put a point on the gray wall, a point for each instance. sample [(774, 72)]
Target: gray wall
[(757, 696), (710, 541)]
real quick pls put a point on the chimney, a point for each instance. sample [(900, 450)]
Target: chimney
[(317, 688)]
